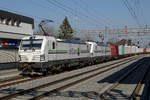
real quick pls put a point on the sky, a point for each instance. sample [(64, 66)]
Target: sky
[(83, 14)]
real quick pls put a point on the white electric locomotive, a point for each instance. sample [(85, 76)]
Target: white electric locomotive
[(44, 54)]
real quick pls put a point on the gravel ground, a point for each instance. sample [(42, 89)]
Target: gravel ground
[(39, 91), (8, 76), (9, 73), (89, 89), (35, 83)]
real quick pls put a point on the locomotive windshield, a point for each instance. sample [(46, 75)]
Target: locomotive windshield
[(30, 44)]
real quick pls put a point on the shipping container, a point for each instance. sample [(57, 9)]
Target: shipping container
[(139, 50), (127, 49), (133, 49), (144, 50), (114, 50), (121, 50), (148, 50), (136, 51)]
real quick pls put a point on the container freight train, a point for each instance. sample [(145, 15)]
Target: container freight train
[(45, 54), (127, 50)]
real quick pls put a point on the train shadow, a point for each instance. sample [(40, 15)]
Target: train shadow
[(133, 80), (76, 94), (88, 95), (10, 90), (117, 94), (72, 94), (113, 77)]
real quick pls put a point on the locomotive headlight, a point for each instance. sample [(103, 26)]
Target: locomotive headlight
[(42, 57)]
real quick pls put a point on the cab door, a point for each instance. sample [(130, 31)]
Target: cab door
[(54, 50), (51, 50)]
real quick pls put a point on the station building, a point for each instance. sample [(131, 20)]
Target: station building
[(13, 27)]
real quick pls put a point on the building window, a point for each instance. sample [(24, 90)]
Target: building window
[(18, 23), (12, 22), (7, 21), (2, 20)]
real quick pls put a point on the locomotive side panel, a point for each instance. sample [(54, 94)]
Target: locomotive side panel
[(71, 51), (98, 51)]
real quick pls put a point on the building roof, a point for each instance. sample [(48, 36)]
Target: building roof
[(9, 15)]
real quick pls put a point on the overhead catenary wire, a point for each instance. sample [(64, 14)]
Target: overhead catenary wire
[(80, 5), (132, 11), (101, 16), (74, 12), (138, 7), (43, 6), (82, 14), (37, 19), (47, 8), (61, 7)]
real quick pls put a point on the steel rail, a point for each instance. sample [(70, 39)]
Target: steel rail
[(20, 79), (70, 77), (72, 83)]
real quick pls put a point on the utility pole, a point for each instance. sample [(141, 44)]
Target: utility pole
[(138, 38), (146, 28), (126, 32), (105, 34)]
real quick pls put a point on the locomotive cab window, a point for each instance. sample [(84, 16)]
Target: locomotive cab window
[(29, 44), (53, 45)]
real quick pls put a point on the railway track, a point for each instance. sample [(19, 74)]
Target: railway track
[(14, 81), (59, 84), (10, 80), (116, 90), (8, 74), (22, 79), (8, 71), (18, 80)]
